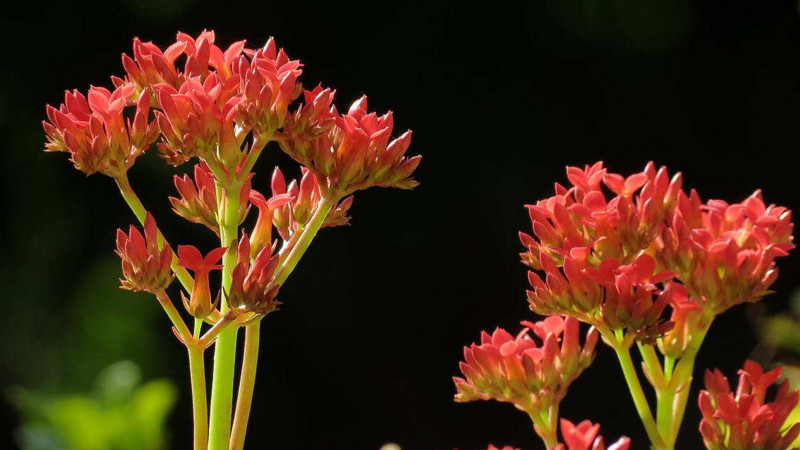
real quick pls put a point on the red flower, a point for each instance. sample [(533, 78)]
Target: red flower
[(196, 120), (520, 371), (618, 296), (687, 317), (198, 198), (262, 231), (584, 436), (95, 132), (583, 217), (144, 266), (250, 282), (268, 85), (507, 447), (151, 66), (358, 152), (745, 419), (725, 253), (202, 53), (199, 303), (305, 199), (306, 132)]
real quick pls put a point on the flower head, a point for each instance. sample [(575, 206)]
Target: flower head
[(725, 253), (199, 303), (145, 267), (95, 133), (197, 201), (250, 287), (357, 152), (268, 84), (150, 65), (519, 370), (745, 419), (584, 436)]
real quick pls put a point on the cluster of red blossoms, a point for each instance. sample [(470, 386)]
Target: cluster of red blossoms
[(583, 436), (744, 419), (208, 107), (533, 376), (617, 251)]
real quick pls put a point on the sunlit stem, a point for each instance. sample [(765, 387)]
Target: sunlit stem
[(622, 345), (247, 382), (197, 374), (174, 315), (225, 347), (545, 425)]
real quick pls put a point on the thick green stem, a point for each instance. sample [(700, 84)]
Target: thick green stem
[(225, 348), (197, 373), (140, 212), (247, 382), (639, 399), (545, 427)]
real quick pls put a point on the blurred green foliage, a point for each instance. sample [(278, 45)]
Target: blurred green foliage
[(120, 413)]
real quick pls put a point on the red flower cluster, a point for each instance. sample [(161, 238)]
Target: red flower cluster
[(207, 108), (199, 303), (518, 370), (584, 436), (745, 419), (599, 254), (95, 132), (145, 267), (725, 253), (250, 288), (303, 199)]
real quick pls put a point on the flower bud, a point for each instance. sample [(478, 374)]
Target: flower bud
[(145, 267)]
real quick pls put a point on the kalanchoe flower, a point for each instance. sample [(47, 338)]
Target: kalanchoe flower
[(268, 85), (521, 371), (150, 66), (507, 447), (201, 53), (357, 153), (95, 133), (619, 297), (583, 217), (198, 198), (250, 290), (584, 436), (196, 120), (144, 266), (744, 419), (199, 303), (306, 133), (725, 253), (305, 199), (262, 231)]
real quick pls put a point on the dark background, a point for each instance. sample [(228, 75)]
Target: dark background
[(500, 99)]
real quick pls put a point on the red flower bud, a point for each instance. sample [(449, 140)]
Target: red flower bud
[(250, 286), (584, 436), (145, 267)]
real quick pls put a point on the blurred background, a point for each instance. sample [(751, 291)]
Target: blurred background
[(500, 99)]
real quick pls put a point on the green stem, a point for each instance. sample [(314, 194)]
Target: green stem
[(639, 399), (682, 375), (247, 382), (303, 241), (197, 374), (545, 428), (141, 213), (225, 348), (174, 315)]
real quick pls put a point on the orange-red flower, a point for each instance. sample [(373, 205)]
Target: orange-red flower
[(268, 85), (358, 151), (745, 419), (95, 132), (584, 436), (199, 303), (519, 370), (195, 120), (145, 267), (621, 297), (725, 253), (197, 201), (250, 286), (150, 66)]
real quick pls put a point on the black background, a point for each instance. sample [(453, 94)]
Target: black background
[(501, 98)]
